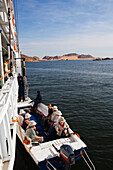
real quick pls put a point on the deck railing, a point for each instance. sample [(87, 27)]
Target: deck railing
[(8, 111)]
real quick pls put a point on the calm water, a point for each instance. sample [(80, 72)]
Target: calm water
[(83, 91)]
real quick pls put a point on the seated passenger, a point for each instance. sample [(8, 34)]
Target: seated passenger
[(21, 116), (62, 127), (55, 116), (55, 109), (37, 100), (26, 121), (27, 111), (47, 118), (31, 132), (51, 129), (50, 110), (50, 116)]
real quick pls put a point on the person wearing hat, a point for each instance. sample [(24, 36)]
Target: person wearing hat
[(62, 127), (48, 120), (21, 116), (55, 116), (54, 119), (55, 110), (31, 132), (26, 121)]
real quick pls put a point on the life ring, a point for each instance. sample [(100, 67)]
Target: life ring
[(77, 135)]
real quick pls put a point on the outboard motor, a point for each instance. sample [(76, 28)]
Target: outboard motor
[(68, 156)]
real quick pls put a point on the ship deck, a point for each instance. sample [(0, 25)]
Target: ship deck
[(24, 104)]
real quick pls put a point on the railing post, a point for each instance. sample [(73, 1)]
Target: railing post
[(1, 59), (3, 139)]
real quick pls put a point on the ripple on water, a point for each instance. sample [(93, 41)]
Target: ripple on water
[(83, 91)]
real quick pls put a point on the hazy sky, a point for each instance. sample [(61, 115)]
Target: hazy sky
[(57, 27)]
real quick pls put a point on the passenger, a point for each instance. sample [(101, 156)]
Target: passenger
[(51, 117), (50, 110), (26, 121), (62, 127), (51, 129), (32, 133), (6, 70), (55, 116), (21, 89), (27, 111), (37, 100), (55, 109), (21, 116), (48, 117)]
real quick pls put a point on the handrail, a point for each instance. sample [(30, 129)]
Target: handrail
[(48, 163), (6, 95), (8, 111), (91, 167)]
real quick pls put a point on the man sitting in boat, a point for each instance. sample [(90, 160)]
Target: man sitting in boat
[(21, 116), (26, 121), (55, 117), (62, 127), (46, 119), (50, 110), (32, 133), (37, 100)]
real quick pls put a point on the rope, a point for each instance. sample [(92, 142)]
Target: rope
[(23, 141)]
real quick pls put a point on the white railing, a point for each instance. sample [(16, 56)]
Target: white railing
[(8, 111)]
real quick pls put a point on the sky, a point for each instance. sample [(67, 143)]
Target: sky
[(58, 27)]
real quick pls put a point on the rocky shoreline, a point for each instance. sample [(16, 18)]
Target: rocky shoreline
[(102, 59)]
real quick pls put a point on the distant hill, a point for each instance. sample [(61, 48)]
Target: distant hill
[(70, 56), (30, 59)]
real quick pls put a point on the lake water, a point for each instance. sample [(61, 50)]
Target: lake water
[(83, 91)]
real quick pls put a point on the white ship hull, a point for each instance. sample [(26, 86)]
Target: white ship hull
[(8, 84)]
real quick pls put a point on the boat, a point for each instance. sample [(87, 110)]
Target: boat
[(56, 152), (53, 153)]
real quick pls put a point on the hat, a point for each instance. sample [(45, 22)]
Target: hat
[(32, 123), (59, 113), (27, 116), (55, 108), (61, 119), (22, 112)]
